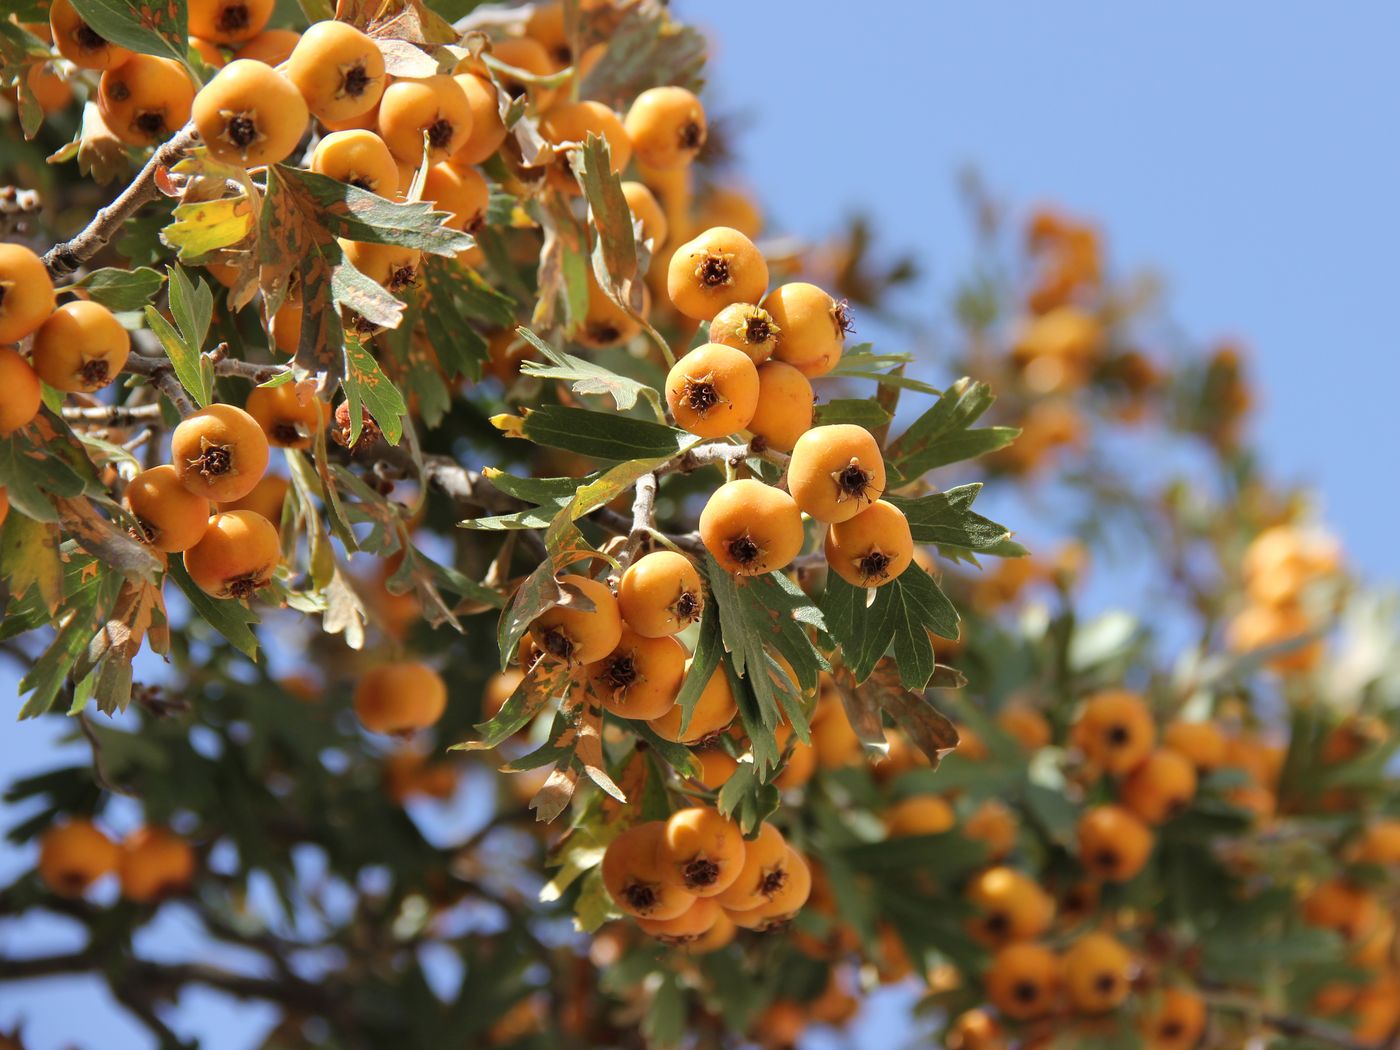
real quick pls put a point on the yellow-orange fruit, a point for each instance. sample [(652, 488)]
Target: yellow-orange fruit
[(220, 453), (250, 114), (289, 417), (79, 42), (836, 472), (1261, 626), (488, 130), (208, 52), (360, 158), (229, 21), (872, 548), (499, 688), (993, 825), (762, 874), (1161, 787), (784, 411), (919, 815), (660, 594), (718, 936), (4, 505), (730, 206), (171, 517), (647, 210), (713, 711), (1057, 349), (701, 851), (155, 864), (606, 324), (392, 266), (1097, 973), (833, 739), (400, 697), (271, 47), (636, 875), (1343, 906), (1113, 843), (49, 88), (80, 348), (1376, 1010), (785, 901), (1281, 561), (640, 677), (433, 106), (460, 191), (1177, 1022), (666, 126), (812, 327), (975, 1030), (1026, 725), (719, 267), (22, 396), (568, 124), (1023, 981), (1011, 906), (716, 766), (801, 760), (74, 855), (748, 328), (713, 391), (690, 925), (575, 635), (1115, 731), (1379, 843), (1201, 742), (236, 555), (779, 1026), (409, 775), (546, 25), (338, 70), (267, 498), (526, 55), (145, 100), (751, 528)]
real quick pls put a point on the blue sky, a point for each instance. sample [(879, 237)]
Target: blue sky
[(1246, 152)]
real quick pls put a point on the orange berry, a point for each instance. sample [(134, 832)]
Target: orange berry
[(729, 206), (640, 677), (1011, 906), (1261, 626), (719, 267), (1161, 787), (1097, 973), (716, 764), (80, 348), (488, 130), (1177, 1022), (73, 856), (667, 127), (250, 114), (460, 191), (237, 554), (171, 517), (762, 874), (79, 42), (836, 472), (228, 21), (785, 901), (271, 47), (4, 505), (528, 56), (1023, 981), (713, 391), (1349, 909), (360, 158), (718, 936), (155, 864), (392, 266), (208, 52), (801, 760), (635, 874), (690, 925), (25, 293), (568, 124), (919, 815), (290, 418), (267, 498), (748, 328), (575, 635), (646, 209), (1113, 843), (433, 106), (751, 528), (605, 324), (1379, 843), (1026, 725), (400, 698), (1115, 730), (660, 594), (22, 396), (833, 739), (145, 100), (975, 1030), (872, 548), (702, 851), (812, 327), (220, 453), (338, 70), (713, 711), (49, 88), (993, 825)]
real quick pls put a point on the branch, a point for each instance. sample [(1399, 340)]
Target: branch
[(62, 259), (112, 415), (643, 518)]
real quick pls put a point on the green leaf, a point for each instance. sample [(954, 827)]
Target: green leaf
[(703, 663), (946, 518), (539, 592), (183, 357), (367, 387), (944, 858), (647, 49), (885, 369), (746, 799), (122, 290), (603, 435), (616, 481), (861, 412), (150, 28), (29, 558), (232, 619), (586, 376), (27, 473), (941, 435), (902, 613), (602, 188)]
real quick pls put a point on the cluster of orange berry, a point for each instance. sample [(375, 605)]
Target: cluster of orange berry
[(1280, 567), (151, 864), (692, 879)]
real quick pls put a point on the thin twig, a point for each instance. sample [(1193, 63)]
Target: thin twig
[(643, 518), (62, 259), (112, 415)]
